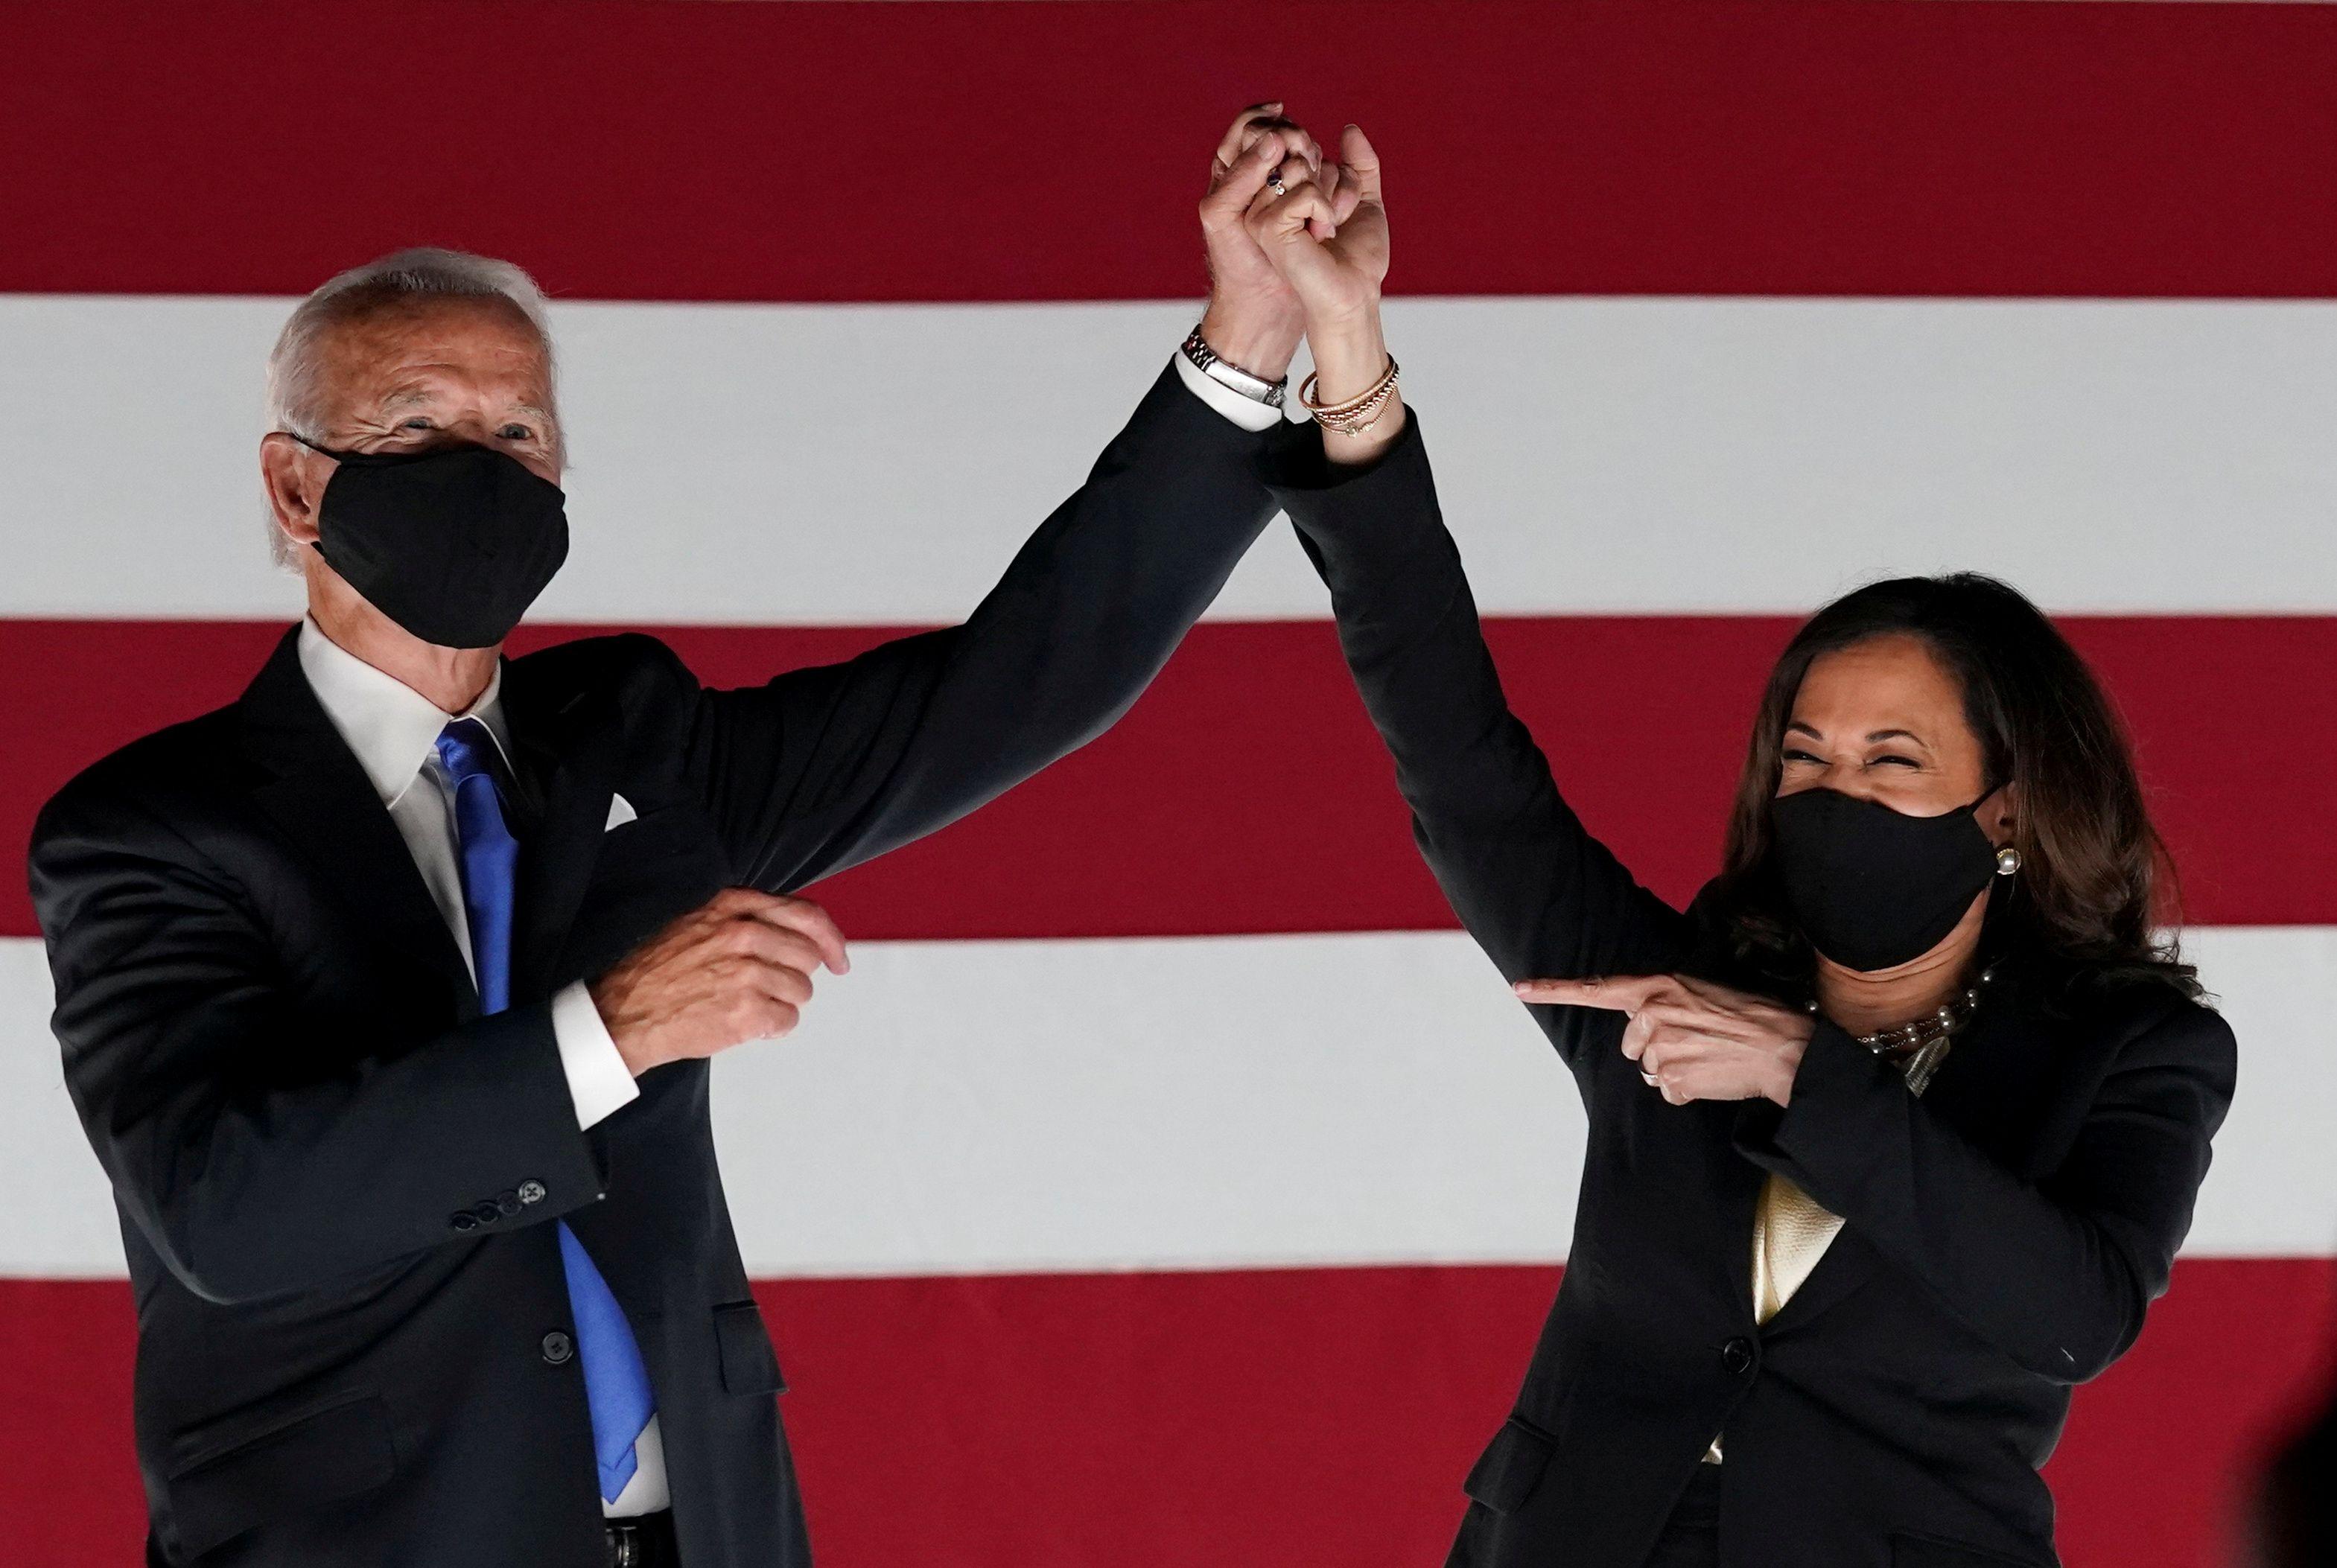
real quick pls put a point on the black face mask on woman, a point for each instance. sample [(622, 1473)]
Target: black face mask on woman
[(453, 543), (1874, 887)]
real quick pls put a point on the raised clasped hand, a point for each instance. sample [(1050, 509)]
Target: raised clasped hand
[(1326, 235), (1254, 319), (1692, 1040)]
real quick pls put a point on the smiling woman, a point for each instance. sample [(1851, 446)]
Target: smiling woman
[(1934, 697), (1894, 1132)]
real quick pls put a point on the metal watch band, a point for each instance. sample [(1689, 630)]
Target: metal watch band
[(1224, 373)]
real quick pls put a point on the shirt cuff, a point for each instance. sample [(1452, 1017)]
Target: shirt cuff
[(1247, 411), (598, 1079)]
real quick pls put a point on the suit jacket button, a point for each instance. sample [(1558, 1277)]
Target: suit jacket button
[(1738, 1356), (558, 1347), (531, 1192), (487, 1213), (463, 1220), (507, 1202)]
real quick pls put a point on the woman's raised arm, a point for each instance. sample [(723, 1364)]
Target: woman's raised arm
[(1537, 892)]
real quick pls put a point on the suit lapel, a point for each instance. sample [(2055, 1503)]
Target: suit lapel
[(566, 746), (1848, 1264), (311, 787)]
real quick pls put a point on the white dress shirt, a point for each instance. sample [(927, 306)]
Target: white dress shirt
[(393, 731)]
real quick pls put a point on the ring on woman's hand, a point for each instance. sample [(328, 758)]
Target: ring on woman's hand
[(1274, 183)]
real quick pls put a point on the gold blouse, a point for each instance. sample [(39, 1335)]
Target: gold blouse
[(1791, 1232)]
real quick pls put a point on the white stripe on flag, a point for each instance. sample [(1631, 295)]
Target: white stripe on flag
[(1238, 1101), (761, 464)]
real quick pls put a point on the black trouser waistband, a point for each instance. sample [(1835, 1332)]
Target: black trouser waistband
[(646, 1542)]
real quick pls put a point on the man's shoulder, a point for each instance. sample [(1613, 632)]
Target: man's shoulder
[(153, 766), (630, 666), (147, 797)]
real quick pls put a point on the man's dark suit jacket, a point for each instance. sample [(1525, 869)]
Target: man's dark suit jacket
[(2003, 1234), (334, 1175)]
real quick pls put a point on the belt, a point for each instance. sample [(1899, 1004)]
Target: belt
[(646, 1542)]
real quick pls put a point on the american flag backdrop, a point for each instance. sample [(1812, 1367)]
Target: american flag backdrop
[(1169, 1183)]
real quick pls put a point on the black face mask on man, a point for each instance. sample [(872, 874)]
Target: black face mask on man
[(1874, 887), (453, 543)]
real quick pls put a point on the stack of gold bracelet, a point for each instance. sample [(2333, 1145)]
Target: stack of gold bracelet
[(1357, 414)]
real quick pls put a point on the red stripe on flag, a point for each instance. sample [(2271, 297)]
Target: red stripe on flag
[(1318, 1417), (1054, 151), (1247, 793)]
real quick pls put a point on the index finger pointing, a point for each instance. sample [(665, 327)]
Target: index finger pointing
[(1615, 993)]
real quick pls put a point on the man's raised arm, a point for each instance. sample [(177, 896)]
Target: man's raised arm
[(822, 768)]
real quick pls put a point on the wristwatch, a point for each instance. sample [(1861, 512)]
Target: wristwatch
[(1257, 388)]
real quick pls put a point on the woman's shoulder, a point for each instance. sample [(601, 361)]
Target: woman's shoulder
[(2153, 1020)]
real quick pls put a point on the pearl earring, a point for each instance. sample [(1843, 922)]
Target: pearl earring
[(2008, 860)]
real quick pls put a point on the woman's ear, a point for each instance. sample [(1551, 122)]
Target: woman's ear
[(2002, 819)]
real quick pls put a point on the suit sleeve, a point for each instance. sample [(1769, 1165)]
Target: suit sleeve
[(2057, 1272), (1542, 896), (822, 768), (254, 1157)]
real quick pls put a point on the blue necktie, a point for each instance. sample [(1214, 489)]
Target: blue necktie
[(616, 1383)]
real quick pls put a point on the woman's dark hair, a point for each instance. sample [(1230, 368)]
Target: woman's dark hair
[(2095, 882)]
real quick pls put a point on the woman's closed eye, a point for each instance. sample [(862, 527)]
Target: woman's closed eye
[(1888, 759)]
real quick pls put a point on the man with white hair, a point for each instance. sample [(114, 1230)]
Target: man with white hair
[(386, 993)]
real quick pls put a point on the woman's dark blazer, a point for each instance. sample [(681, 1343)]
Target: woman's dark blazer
[(2003, 1234)]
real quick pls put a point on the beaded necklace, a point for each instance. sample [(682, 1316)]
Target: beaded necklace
[(1919, 1045)]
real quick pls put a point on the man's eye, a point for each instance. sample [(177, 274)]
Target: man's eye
[(417, 423), (517, 433)]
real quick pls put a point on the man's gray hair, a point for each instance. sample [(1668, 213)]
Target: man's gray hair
[(295, 368)]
